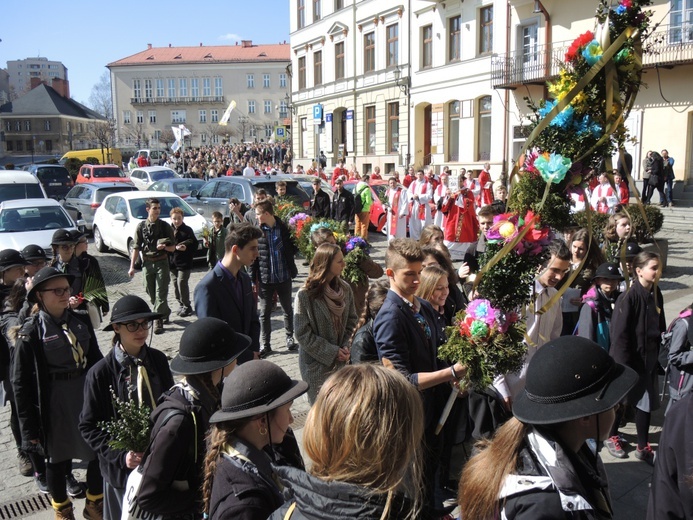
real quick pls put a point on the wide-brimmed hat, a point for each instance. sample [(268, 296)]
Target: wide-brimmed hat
[(632, 250), (130, 308), (34, 252), (78, 236), (254, 388), (569, 378), (10, 258), (609, 271), (206, 345), (62, 237), (45, 274)]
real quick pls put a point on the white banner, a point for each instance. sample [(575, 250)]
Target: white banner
[(227, 115)]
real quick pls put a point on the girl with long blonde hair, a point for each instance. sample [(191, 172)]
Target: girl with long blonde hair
[(363, 437)]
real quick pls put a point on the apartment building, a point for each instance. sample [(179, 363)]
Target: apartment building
[(442, 83), (21, 71), (164, 86)]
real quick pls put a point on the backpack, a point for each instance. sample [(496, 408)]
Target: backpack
[(358, 201), (665, 343)]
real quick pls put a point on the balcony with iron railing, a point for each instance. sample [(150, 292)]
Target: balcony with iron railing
[(667, 46), (187, 100)]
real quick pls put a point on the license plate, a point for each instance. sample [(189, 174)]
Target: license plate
[(54, 184)]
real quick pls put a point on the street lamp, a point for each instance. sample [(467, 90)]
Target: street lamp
[(243, 121), (402, 82)]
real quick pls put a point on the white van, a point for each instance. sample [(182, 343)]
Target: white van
[(18, 184)]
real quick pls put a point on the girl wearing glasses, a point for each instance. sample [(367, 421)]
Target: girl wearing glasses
[(132, 370), (53, 352)]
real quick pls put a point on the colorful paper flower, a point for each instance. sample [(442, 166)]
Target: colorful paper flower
[(479, 330), (592, 52), (299, 217), (504, 228), (577, 45), (553, 168), (355, 242), (481, 309)]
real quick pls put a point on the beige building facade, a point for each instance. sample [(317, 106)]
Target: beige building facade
[(162, 87), (446, 81)]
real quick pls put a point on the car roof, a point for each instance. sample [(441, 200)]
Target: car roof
[(28, 203), (102, 165), (96, 185), (140, 194), (17, 176), (48, 164), (153, 168)]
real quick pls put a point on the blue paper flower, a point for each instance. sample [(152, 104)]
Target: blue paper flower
[(563, 119), (621, 9), (554, 168), (592, 52), (586, 125)]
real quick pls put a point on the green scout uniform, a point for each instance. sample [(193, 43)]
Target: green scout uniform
[(155, 262)]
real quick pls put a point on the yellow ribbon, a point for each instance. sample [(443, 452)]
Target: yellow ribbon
[(143, 379), (77, 351)]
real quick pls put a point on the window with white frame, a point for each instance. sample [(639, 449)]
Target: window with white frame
[(251, 107), (392, 57), (269, 129), (483, 152), (253, 131), (302, 72), (47, 125), (339, 60), (283, 108), (140, 116), (218, 87), (207, 87), (127, 117), (178, 116), (171, 88), (265, 81), (250, 80), (152, 116), (427, 47), (454, 38), (453, 125), (148, 93), (203, 116), (183, 87), (317, 68), (214, 115), (157, 135), (282, 80), (195, 87), (8, 124), (268, 107), (27, 126), (486, 30), (136, 88), (681, 21), (369, 52), (203, 137), (159, 87), (301, 13)]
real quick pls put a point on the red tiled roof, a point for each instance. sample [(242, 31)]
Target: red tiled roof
[(207, 54)]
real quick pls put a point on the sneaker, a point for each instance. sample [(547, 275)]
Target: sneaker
[(159, 327), (93, 509), (185, 312), (645, 454), (264, 352), (41, 484), (74, 488), (26, 469), (291, 344), (613, 446)]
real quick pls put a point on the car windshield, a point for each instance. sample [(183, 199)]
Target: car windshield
[(139, 210), (186, 186), (33, 219), (100, 173), (52, 173), (20, 191), (162, 174), (293, 191)]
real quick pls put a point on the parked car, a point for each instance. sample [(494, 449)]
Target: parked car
[(378, 213), (84, 199), (32, 221), (181, 187), (215, 194), (17, 184), (117, 218), (101, 173), (55, 179), (306, 182), (143, 177)]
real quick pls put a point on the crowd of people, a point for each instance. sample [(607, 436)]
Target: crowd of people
[(221, 443)]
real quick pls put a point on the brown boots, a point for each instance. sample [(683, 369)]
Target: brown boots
[(93, 509), (64, 511)]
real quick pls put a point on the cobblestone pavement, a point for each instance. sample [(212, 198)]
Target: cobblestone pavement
[(629, 478)]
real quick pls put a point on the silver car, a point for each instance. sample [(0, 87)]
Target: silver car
[(84, 199)]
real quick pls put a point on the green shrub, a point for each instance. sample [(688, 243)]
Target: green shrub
[(73, 165), (52, 161), (655, 218), (92, 160)]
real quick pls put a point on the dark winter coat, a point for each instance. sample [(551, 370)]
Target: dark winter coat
[(30, 376), (321, 205), (183, 260), (343, 206), (106, 376), (551, 482), (595, 317), (317, 499), (671, 496), (363, 348), (260, 269), (175, 457), (244, 487), (681, 357)]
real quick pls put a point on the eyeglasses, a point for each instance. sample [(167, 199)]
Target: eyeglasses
[(59, 291), (134, 326)]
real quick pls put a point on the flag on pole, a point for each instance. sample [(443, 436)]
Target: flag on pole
[(227, 115)]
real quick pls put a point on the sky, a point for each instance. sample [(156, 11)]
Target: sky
[(87, 35)]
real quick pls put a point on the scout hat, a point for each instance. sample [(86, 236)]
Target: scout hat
[(130, 308)]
